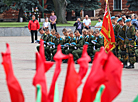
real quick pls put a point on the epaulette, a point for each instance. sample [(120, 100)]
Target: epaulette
[(60, 38), (100, 36), (80, 37), (92, 36), (69, 37)]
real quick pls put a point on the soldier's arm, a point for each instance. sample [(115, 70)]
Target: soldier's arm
[(133, 32), (100, 43)]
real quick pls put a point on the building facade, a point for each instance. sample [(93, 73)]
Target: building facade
[(117, 7)]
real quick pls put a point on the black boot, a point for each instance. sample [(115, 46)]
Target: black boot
[(125, 64), (131, 66)]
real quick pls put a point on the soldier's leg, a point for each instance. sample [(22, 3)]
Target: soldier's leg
[(68, 51), (76, 54), (132, 58), (47, 53)]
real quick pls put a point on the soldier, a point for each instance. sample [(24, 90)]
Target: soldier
[(121, 40), (90, 44), (58, 41), (79, 45), (98, 42), (129, 43), (36, 12), (43, 36), (48, 39)]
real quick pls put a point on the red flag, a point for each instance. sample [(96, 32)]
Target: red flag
[(39, 77), (73, 80), (107, 30), (14, 87), (84, 62), (58, 58), (113, 70), (95, 78), (48, 65)]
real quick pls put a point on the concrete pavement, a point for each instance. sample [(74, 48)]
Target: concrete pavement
[(23, 58)]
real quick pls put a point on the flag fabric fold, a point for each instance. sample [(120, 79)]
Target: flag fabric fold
[(107, 30), (48, 65), (84, 62), (39, 77), (72, 82), (95, 78), (14, 87), (59, 56), (113, 70)]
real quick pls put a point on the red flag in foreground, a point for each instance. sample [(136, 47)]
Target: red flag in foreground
[(73, 80), (107, 30), (48, 65), (106, 70), (39, 77), (95, 78), (84, 62), (58, 58), (14, 87), (113, 70)]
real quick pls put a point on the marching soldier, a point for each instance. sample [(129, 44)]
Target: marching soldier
[(129, 43)]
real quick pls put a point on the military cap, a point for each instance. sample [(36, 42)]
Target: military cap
[(113, 17), (120, 19), (128, 20)]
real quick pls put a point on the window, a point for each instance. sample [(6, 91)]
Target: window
[(117, 4)]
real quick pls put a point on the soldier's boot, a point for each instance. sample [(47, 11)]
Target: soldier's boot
[(125, 64), (131, 66)]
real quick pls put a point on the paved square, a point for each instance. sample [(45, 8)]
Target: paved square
[(23, 58)]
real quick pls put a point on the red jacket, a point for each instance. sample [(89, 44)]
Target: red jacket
[(33, 25)]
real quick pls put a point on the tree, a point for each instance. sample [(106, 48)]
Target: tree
[(61, 6), (21, 5), (133, 5)]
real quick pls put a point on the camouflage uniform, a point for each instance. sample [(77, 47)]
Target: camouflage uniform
[(116, 30), (130, 39), (136, 49), (121, 41)]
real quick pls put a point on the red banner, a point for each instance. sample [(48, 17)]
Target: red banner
[(107, 30)]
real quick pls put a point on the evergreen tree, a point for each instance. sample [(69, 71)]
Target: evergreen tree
[(133, 5)]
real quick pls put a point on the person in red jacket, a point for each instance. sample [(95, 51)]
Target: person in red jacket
[(33, 27)]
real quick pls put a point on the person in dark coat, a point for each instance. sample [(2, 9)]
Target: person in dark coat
[(79, 25)]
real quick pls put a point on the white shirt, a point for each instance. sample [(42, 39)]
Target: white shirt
[(87, 22), (99, 24), (46, 24)]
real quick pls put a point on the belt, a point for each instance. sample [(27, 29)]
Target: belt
[(129, 39), (121, 38)]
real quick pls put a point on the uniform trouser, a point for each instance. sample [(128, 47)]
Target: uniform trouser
[(68, 51), (54, 26), (122, 55), (47, 52), (136, 53), (44, 50), (32, 35), (77, 54), (131, 51)]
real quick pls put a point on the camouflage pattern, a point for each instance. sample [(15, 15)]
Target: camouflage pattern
[(129, 42)]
